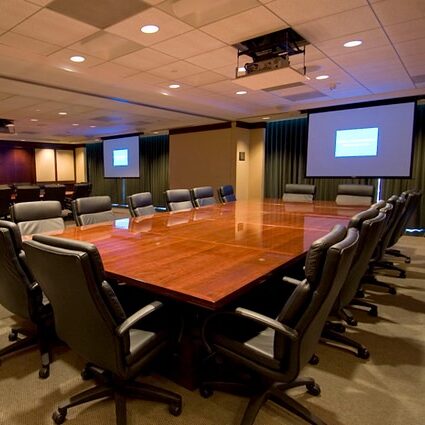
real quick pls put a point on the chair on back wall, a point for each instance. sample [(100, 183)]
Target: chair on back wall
[(27, 193), (80, 190), (55, 192), (37, 216), (354, 194), (5, 200), (90, 319), (203, 196), (178, 199), (276, 355), (226, 194), (140, 204), (92, 210), (299, 193), (22, 296)]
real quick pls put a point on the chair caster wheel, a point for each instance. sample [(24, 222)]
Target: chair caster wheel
[(373, 312), (175, 409), (402, 275), (205, 391), (44, 372), (407, 260), (313, 389), (392, 290), (58, 417), (314, 360), (363, 353), (86, 374), (13, 335), (352, 321)]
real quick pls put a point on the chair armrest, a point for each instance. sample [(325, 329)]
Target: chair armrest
[(291, 280), (138, 315), (292, 334)]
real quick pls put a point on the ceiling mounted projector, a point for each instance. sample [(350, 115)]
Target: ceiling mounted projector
[(270, 65)]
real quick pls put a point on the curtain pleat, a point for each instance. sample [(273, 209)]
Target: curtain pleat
[(153, 163)]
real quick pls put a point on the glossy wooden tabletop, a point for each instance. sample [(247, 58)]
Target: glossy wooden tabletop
[(207, 256)]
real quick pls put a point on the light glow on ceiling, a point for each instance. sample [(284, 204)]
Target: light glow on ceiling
[(241, 92), (149, 29), (353, 43), (174, 86), (322, 77), (77, 58)]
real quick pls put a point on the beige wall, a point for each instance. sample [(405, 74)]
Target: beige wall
[(211, 158), (205, 158)]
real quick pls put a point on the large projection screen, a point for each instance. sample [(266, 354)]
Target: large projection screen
[(121, 157), (371, 141)]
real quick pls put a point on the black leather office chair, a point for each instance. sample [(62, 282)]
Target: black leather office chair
[(140, 204), (354, 194), (80, 190), (55, 192), (226, 194), (5, 200), (369, 223), (91, 320), (203, 196), (299, 193), (178, 199), (27, 193), (37, 216), (92, 210), (276, 355), (22, 296)]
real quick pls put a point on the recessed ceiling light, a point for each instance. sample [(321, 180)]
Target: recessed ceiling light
[(34, 119), (353, 43), (241, 92), (174, 86), (241, 69), (62, 113), (155, 132), (75, 124), (150, 29), (322, 77), (92, 126), (77, 58), (165, 93), (67, 69), (265, 118)]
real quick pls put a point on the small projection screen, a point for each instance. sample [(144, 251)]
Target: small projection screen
[(372, 141), (121, 157)]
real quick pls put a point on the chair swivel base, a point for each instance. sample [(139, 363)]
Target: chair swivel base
[(119, 391), (330, 335), (399, 254), (372, 280)]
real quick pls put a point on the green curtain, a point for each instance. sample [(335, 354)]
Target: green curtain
[(285, 161), (153, 163)]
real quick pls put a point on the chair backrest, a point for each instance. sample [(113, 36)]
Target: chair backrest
[(5, 200), (92, 210), (370, 224), (85, 309), (81, 190), (55, 192), (226, 194), (327, 263), (140, 204), (299, 192), (27, 194), (203, 196), (178, 199), (354, 194), (18, 291), (37, 216)]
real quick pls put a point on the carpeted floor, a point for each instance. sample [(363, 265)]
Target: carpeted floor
[(387, 389)]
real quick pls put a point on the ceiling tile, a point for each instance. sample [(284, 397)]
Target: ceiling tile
[(130, 28), (13, 12), (17, 102), (153, 2), (109, 69), (41, 2), (395, 11), (202, 12), (245, 25), (207, 77), (176, 70), (300, 11), (105, 45), (228, 71), (216, 58), (5, 96), (47, 26), (414, 48), (223, 87), (21, 42), (188, 44), (406, 31), (338, 25), (60, 59), (145, 59), (99, 13)]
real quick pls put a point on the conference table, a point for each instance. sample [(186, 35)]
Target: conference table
[(205, 258), (209, 256)]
